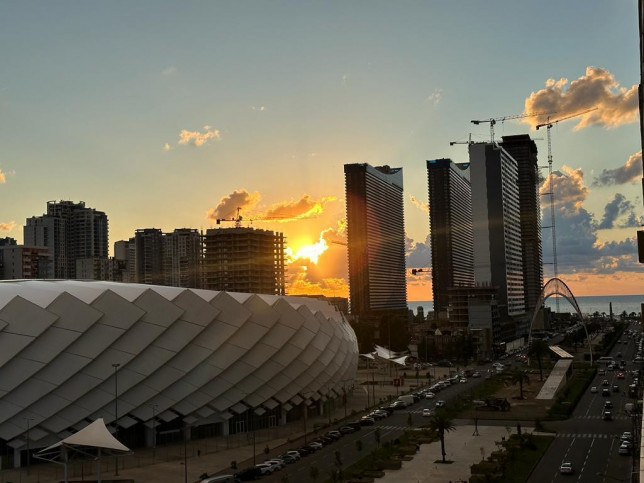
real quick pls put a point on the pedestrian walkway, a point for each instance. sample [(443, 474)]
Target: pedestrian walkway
[(463, 449)]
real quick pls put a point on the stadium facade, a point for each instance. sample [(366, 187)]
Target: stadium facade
[(154, 356)]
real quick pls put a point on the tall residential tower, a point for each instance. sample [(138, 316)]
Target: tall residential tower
[(450, 221), (376, 239)]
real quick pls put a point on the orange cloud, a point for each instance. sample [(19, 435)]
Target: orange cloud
[(305, 207), (421, 206), (197, 138), (631, 171), (617, 283), (7, 226), (616, 105), (227, 207), (330, 287), (3, 177), (569, 188)]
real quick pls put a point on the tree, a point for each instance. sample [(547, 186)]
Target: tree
[(538, 349), (442, 424), (519, 377)]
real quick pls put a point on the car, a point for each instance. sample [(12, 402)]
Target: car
[(287, 458), (430, 395), (306, 450), (388, 409), (377, 415), (354, 424), (615, 388), (334, 434), (427, 413), (593, 389), (221, 479), (605, 392), (367, 421), (607, 416), (626, 436), (462, 380), (620, 375), (476, 374), (605, 382), (601, 372), (440, 403), (399, 405), (248, 474), (277, 462), (347, 430), (295, 454), (624, 449), (608, 405), (266, 469), (566, 469)]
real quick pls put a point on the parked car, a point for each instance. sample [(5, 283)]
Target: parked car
[(265, 468), (427, 413), (296, 454), (430, 395), (347, 430), (367, 421), (249, 474)]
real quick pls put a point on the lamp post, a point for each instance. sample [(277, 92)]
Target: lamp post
[(28, 456), (116, 412), (154, 431)]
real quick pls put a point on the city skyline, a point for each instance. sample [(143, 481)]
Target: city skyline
[(173, 116)]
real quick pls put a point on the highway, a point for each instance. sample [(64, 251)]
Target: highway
[(586, 440)]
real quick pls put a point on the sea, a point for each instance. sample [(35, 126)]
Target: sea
[(588, 305)]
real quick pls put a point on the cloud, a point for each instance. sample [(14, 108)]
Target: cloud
[(329, 287), (305, 207), (569, 188), (3, 177), (227, 207), (8, 226), (435, 97), (421, 206), (260, 108), (618, 207), (631, 171), (345, 79), (197, 138), (166, 147), (418, 254), (578, 247), (616, 105)]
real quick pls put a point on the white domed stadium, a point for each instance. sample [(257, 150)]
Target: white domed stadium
[(74, 351)]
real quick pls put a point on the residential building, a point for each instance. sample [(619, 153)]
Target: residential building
[(244, 260), (71, 231), (182, 258), (451, 235), (496, 219), (25, 262), (148, 256), (524, 150), (376, 240)]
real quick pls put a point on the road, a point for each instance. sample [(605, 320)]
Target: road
[(390, 428), (586, 440)]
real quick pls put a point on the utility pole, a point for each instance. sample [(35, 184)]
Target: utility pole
[(116, 413)]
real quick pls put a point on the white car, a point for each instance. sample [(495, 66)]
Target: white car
[(430, 395), (427, 413), (266, 468), (593, 389), (440, 403), (566, 469)]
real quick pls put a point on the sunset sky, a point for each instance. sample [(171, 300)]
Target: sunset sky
[(173, 114)]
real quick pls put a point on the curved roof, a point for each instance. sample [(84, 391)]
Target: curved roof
[(196, 354)]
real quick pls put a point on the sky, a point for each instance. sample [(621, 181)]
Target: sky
[(173, 114)]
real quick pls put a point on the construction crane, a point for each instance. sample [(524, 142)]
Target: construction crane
[(494, 120), (415, 271), (238, 219), (548, 124), (469, 141)]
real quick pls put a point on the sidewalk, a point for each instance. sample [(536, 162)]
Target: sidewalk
[(462, 447)]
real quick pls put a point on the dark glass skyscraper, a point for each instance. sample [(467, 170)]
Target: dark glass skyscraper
[(524, 150), (450, 222), (376, 239)]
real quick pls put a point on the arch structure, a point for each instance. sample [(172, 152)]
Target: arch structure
[(556, 286)]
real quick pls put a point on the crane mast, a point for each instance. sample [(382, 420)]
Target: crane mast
[(551, 192)]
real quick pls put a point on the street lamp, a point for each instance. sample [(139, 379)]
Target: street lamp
[(116, 412), (154, 431), (28, 456)]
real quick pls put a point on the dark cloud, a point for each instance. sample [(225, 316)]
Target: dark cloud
[(418, 254), (616, 105), (631, 171), (618, 207)]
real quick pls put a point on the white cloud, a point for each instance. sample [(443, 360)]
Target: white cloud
[(166, 147), (435, 97), (3, 177), (260, 108), (631, 171)]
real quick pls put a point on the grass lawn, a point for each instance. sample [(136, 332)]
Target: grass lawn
[(519, 469)]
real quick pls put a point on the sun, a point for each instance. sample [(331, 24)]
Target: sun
[(311, 251)]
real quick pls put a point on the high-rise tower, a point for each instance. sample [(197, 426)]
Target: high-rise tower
[(71, 231), (524, 150), (450, 221), (496, 216), (376, 239)]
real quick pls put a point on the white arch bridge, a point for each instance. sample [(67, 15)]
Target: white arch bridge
[(556, 286)]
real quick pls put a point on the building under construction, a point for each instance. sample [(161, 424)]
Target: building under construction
[(244, 260)]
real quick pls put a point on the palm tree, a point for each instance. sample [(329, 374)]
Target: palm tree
[(441, 423), (538, 349), (517, 377)]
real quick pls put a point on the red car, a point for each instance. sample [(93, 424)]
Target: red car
[(620, 375)]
